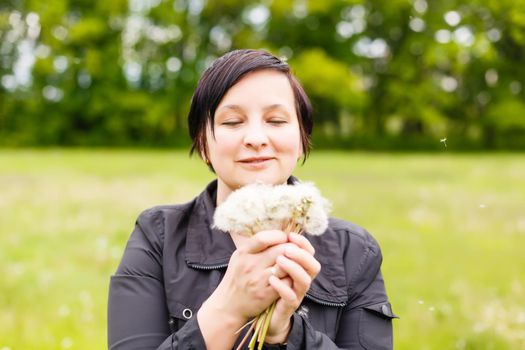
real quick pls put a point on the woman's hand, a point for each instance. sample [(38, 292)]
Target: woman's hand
[(245, 292), (300, 267), (267, 267)]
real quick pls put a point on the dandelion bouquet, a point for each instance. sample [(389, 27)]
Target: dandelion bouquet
[(258, 207)]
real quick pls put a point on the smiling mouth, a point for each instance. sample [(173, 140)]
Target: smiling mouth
[(256, 160)]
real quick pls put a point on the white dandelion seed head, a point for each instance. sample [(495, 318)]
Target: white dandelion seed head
[(258, 207)]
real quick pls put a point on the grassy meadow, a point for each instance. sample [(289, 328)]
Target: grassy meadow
[(451, 227)]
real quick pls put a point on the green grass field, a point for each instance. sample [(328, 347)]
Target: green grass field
[(452, 230)]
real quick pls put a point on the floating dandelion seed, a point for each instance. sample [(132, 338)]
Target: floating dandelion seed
[(87, 316), (444, 141), (431, 309), (64, 311), (460, 344), (66, 343), (303, 311), (420, 302), (482, 206)]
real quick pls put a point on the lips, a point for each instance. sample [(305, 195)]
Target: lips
[(255, 160)]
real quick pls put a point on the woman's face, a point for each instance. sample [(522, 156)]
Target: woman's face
[(257, 136)]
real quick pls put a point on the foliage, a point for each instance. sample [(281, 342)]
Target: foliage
[(123, 72)]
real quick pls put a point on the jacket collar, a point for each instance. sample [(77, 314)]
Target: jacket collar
[(208, 248)]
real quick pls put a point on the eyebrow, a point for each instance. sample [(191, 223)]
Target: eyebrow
[(275, 106), (234, 107), (266, 108)]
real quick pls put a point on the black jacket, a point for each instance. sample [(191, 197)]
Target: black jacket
[(173, 262)]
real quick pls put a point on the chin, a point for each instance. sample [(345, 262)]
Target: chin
[(266, 179)]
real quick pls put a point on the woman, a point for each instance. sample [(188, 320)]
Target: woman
[(183, 285)]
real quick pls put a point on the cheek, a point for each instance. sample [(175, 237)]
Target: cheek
[(224, 144), (290, 141)]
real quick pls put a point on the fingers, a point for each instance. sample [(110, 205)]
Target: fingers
[(283, 288), (301, 242), (300, 279), (306, 261), (277, 272), (263, 240), (300, 266), (292, 251)]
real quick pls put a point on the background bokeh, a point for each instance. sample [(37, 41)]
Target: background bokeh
[(419, 133), (382, 74)]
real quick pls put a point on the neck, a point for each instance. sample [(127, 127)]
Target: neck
[(239, 240), (223, 191)]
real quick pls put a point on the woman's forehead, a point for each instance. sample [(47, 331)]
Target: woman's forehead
[(269, 88)]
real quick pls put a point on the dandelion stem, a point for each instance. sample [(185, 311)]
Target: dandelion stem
[(266, 324), (245, 338), (244, 326), (258, 325)]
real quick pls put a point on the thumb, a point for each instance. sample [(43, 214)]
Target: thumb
[(265, 239)]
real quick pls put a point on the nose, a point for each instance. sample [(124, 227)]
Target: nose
[(255, 136)]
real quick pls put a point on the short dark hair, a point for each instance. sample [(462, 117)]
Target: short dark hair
[(225, 72)]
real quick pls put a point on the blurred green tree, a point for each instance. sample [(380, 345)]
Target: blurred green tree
[(397, 73)]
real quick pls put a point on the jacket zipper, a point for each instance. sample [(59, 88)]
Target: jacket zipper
[(324, 303), (208, 267), (308, 296)]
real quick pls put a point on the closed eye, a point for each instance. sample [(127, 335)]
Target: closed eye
[(231, 123), (277, 121)]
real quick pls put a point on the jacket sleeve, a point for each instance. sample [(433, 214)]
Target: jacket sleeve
[(366, 321), (137, 313)]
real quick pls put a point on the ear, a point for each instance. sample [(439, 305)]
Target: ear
[(301, 150), (204, 149), (205, 157)]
